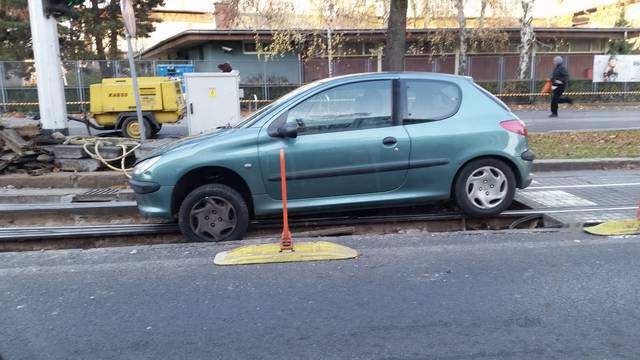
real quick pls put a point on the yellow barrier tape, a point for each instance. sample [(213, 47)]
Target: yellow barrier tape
[(36, 104), (576, 93), (87, 103)]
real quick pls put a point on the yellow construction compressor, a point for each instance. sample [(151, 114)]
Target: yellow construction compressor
[(113, 104)]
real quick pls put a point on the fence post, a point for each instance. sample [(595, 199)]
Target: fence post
[(500, 74), (3, 90), (300, 70), (532, 84), (80, 86), (153, 63), (265, 88), (115, 68)]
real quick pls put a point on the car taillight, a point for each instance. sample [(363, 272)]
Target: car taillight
[(516, 126)]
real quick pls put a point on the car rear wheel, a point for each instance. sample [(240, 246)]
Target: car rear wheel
[(485, 187), (213, 212)]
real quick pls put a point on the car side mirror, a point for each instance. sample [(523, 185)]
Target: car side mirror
[(288, 130)]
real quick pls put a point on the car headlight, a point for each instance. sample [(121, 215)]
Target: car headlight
[(145, 165)]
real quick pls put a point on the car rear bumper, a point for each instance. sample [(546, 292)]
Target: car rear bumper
[(526, 165)]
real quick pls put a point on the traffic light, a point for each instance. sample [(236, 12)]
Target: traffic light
[(57, 8)]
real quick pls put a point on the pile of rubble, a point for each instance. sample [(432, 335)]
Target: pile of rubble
[(25, 149), (22, 150)]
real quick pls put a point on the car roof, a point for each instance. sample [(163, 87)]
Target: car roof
[(399, 74)]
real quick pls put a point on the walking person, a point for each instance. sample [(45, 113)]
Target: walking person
[(559, 83)]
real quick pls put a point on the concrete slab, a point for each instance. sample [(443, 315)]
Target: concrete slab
[(38, 195), (78, 164), (86, 180), (68, 151)]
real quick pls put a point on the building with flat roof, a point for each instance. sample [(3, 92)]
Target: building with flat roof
[(207, 48)]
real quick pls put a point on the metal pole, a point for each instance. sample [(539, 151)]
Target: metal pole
[(80, 86), (501, 74), (533, 74), (136, 92), (46, 52), (265, 85), (300, 70), (330, 51), (3, 90)]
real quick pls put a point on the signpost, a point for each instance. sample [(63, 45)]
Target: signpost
[(129, 19)]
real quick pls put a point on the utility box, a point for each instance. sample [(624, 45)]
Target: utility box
[(213, 100)]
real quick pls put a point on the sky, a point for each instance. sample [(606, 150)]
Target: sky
[(542, 8)]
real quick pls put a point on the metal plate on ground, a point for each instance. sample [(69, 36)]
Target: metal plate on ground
[(94, 195)]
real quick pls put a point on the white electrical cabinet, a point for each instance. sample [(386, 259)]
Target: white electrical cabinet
[(213, 100)]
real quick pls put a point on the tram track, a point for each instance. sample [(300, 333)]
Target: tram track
[(300, 224)]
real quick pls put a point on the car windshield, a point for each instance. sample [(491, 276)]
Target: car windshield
[(252, 118)]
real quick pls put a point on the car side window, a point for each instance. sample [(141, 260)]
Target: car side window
[(354, 106), (429, 100)]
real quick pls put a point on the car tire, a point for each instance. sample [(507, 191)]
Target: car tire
[(213, 205), (156, 129), (485, 187)]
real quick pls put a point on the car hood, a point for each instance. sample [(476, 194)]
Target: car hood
[(192, 141)]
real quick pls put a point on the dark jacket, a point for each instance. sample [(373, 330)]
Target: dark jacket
[(560, 73)]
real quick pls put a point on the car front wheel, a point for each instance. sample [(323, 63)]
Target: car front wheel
[(213, 212), (485, 187)]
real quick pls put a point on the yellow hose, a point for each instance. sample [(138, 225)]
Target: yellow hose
[(128, 146)]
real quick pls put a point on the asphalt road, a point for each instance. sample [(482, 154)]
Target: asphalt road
[(559, 295), (537, 121)]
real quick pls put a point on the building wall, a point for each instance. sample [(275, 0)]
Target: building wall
[(206, 57)]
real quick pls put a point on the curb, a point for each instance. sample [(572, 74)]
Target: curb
[(91, 180), (105, 179), (585, 164)]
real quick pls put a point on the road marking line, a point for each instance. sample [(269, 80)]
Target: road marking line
[(547, 211), (557, 198), (581, 186)]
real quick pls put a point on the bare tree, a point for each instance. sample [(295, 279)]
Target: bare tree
[(395, 44), (462, 38), (483, 11), (527, 38)]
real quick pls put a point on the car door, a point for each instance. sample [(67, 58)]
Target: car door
[(428, 109), (348, 143)]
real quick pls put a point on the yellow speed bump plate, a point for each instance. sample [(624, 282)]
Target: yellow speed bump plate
[(615, 227), (270, 253)]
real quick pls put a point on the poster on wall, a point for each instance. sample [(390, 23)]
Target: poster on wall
[(616, 68)]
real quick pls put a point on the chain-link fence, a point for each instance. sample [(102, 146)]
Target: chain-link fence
[(263, 81)]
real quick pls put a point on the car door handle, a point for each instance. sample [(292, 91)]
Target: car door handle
[(389, 140), (191, 108)]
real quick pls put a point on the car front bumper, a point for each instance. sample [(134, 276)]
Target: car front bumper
[(153, 199)]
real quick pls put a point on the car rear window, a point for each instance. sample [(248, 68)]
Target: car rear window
[(492, 97), (429, 100)]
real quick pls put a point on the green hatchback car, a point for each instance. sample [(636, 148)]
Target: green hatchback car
[(351, 142)]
